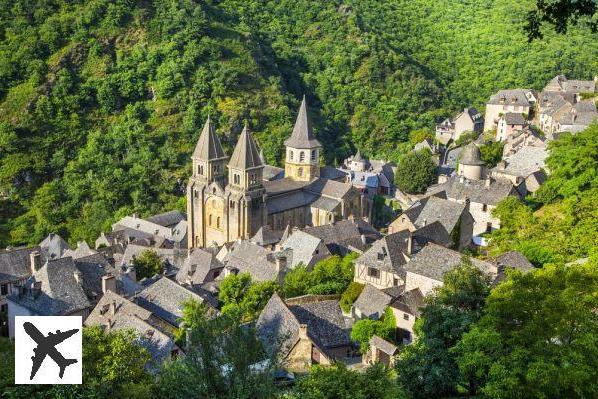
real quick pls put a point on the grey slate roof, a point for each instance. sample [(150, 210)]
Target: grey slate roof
[(514, 118), (60, 294), (524, 162), (329, 188), (246, 154), (267, 236), (325, 323), (208, 146), (167, 219), (197, 265), (248, 257), (15, 264), (303, 248), (475, 190), (387, 253), (433, 261), (515, 260), (303, 135), (432, 232), (372, 301), (329, 172), (339, 236), (510, 97), (164, 298), (272, 173), (53, 246), (411, 302), (81, 251), (471, 155), (93, 268), (383, 345), (433, 209), (277, 327)]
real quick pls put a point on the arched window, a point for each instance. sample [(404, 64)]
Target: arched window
[(290, 155), (218, 222), (200, 169), (300, 172), (236, 179), (314, 155), (210, 220), (302, 156)]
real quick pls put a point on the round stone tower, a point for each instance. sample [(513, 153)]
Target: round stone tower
[(471, 165)]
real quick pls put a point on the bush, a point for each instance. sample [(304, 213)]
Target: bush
[(416, 172), (350, 296)]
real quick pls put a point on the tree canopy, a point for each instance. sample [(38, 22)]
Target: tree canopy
[(416, 172)]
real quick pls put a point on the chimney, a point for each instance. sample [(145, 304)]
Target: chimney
[(410, 244), (363, 239), (281, 264), (113, 308), (135, 216), (425, 221), (303, 331), (462, 179), (108, 283), (35, 260), (78, 278)]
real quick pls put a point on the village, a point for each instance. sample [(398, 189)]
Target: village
[(245, 217)]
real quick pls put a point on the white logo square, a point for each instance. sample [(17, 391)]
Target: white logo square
[(48, 349)]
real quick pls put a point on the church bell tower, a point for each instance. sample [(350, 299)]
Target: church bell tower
[(302, 149)]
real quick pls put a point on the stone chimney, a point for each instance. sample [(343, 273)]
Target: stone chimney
[(281, 264), (410, 244), (113, 308), (108, 283), (303, 331), (35, 261), (363, 239)]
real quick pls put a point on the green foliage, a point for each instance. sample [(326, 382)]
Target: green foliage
[(416, 172), (537, 338), (565, 228), (428, 368), (243, 299), (492, 153), (218, 364), (338, 382), (419, 135), (329, 276), (194, 312), (363, 330), (148, 264), (466, 138), (7, 372), (560, 15), (350, 296)]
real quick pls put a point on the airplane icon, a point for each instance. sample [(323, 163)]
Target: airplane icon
[(47, 346)]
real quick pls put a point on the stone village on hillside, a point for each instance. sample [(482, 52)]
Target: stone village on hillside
[(244, 216)]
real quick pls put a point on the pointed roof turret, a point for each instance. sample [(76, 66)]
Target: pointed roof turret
[(358, 157), (471, 155), (246, 154), (208, 146), (303, 135)]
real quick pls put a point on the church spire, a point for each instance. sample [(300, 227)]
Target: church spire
[(246, 154), (303, 135), (208, 146)]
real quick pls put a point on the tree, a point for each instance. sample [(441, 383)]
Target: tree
[(233, 288), (148, 264), (243, 299), (419, 135), (338, 382), (416, 172), (491, 153), (560, 14), (538, 336), (363, 330), (350, 296), (224, 360), (428, 367)]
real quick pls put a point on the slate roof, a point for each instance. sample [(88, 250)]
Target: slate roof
[(510, 97), (197, 265), (560, 82), (387, 254), (329, 188), (15, 264), (167, 219), (433, 261), (383, 345), (338, 236), (129, 315), (60, 294), (267, 236), (303, 247), (53, 246), (325, 323), (246, 154), (515, 260), (288, 201), (411, 302), (208, 146), (277, 327), (433, 209), (302, 135), (471, 155), (524, 162), (81, 251), (93, 268), (364, 179), (133, 250), (272, 173), (280, 186), (432, 232), (475, 190), (164, 298), (329, 172), (248, 257), (372, 301), (514, 118)]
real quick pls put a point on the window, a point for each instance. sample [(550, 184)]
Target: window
[(216, 169), (210, 220), (300, 172), (488, 227), (195, 194), (302, 156), (4, 289), (3, 308), (200, 169), (484, 208), (405, 316), (218, 222), (232, 205), (290, 155), (395, 282), (373, 272), (236, 179), (314, 155)]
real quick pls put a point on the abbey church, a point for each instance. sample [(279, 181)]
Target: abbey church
[(232, 198)]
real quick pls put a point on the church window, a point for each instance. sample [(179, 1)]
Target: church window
[(218, 222), (236, 179), (405, 316), (232, 205), (200, 169), (313, 155), (300, 172), (302, 156), (195, 193), (216, 168), (214, 191), (291, 155), (210, 220)]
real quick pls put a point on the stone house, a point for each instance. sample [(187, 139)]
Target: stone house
[(303, 332), (15, 269), (519, 101), (381, 351), (305, 249), (454, 218), (344, 236), (370, 176), (406, 309), (470, 120), (372, 302), (524, 169), (199, 267), (508, 124), (261, 263)]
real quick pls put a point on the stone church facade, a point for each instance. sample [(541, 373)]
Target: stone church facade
[(229, 199)]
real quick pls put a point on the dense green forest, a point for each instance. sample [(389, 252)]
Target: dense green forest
[(101, 101)]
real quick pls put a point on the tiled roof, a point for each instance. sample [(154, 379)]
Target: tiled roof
[(433, 261), (471, 155), (303, 135), (514, 118), (15, 264), (511, 97), (328, 172), (338, 236), (329, 188), (93, 268), (267, 236), (81, 251), (208, 146), (277, 327), (197, 265), (303, 247), (246, 154), (432, 232), (411, 302), (272, 173), (524, 162), (515, 260), (372, 301), (325, 323), (475, 190), (164, 298)]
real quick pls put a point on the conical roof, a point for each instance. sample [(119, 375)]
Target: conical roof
[(303, 135), (358, 157), (471, 155), (246, 154), (208, 146)]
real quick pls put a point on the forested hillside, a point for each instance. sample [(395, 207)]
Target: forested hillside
[(101, 101)]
